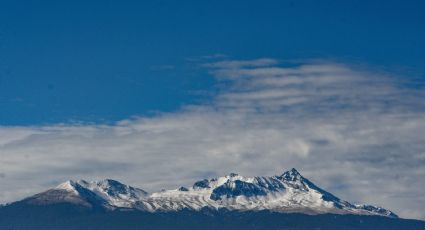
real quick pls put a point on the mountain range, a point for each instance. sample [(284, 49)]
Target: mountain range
[(285, 201), (289, 192)]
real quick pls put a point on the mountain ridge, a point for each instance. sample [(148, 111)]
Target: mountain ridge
[(289, 192)]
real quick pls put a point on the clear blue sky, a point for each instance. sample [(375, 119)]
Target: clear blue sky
[(103, 61)]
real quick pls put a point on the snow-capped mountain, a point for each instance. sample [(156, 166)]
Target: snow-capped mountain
[(286, 193)]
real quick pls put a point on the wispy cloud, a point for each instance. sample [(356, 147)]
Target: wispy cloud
[(356, 132), (236, 64)]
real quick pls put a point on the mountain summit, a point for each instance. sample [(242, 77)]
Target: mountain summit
[(289, 192)]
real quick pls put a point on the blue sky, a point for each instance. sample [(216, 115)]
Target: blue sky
[(104, 61), (160, 94)]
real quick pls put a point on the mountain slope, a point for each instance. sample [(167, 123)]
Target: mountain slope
[(286, 193), (67, 216), (107, 193)]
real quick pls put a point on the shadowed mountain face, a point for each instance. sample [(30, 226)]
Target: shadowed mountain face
[(232, 189)]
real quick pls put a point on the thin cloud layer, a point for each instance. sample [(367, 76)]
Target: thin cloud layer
[(355, 132)]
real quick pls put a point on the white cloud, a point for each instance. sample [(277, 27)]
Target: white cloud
[(235, 64), (356, 133)]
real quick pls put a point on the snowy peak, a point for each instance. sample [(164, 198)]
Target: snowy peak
[(115, 189), (288, 192), (68, 186), (216, 182), (106, 193), (292, 175), (104, 188)]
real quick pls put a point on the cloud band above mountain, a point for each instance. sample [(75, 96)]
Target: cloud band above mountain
[(357, 132)]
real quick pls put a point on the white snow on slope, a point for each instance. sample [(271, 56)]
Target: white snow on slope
[(289, 192)]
